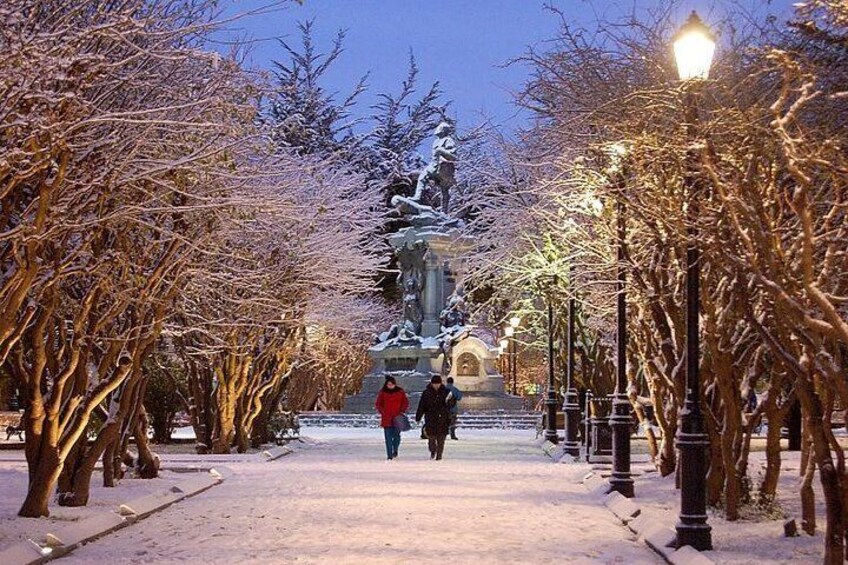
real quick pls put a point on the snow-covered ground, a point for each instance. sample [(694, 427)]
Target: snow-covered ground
[(13, 484), (493, 499), (752, 540)]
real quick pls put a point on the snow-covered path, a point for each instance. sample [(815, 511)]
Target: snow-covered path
[(493, 499)]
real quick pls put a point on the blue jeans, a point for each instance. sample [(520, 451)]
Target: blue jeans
[(392, 436)]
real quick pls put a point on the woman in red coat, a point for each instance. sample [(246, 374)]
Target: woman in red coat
[(391, 401)]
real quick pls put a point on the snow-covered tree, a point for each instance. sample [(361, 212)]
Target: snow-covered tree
[(766, 157)]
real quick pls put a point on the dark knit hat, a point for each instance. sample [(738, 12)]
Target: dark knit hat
[(391, 379), (436, 379)]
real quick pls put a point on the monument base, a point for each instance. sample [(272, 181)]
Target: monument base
[(478, 394)]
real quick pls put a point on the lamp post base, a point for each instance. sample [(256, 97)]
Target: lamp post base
[(621, 480), (571, 407), (697, 535), (692, 529), (551, 429)]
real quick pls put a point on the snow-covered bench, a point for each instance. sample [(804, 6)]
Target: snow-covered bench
[(12, 423)]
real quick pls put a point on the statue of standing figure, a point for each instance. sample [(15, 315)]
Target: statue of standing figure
[(441, 169), (452, 320), (413, 313), (454, 313)]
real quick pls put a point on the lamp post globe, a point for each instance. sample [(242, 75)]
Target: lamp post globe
[(694, 47)]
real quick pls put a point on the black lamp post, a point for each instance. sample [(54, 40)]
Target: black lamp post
[(504, 343), (551, 401), (621, 418), (694, 46), (512, 369), (512, 354), (571, 400), (509, 333)]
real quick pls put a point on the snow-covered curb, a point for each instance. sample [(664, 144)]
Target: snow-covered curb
[(68, 537), (555, 451), (274, 453), (661, 538)]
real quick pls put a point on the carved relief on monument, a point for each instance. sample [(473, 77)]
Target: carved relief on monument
[(468, 365)]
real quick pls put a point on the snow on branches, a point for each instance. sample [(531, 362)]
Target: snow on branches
[(145, 206)]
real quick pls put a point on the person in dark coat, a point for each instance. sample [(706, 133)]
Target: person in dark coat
[(454, 410), (391, 401), (434, 407)]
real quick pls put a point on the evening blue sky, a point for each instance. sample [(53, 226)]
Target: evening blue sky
[(464, 44)]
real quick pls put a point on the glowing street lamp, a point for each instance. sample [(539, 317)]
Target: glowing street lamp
[(694, 46)]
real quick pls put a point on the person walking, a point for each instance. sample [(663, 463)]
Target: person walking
[(434, 407), (391, 402), (454, 408)]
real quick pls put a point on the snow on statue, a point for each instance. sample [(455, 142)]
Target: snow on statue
[(438, 174), (441, 168)]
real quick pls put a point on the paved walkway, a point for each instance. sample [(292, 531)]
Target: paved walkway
[(493, 499)]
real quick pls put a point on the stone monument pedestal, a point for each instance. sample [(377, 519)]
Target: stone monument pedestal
[(473, 371), (414, 360)]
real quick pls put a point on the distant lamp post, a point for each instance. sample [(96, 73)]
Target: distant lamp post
[(571, 399), (551, 400), (509, 332), (620, 480), (694, 46), (514, 322)]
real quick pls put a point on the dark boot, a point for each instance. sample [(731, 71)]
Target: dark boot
[(453, 433)]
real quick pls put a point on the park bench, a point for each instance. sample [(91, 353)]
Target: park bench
[(12, 423), (286, 426)]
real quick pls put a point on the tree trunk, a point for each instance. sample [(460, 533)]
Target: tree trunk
[(808, 499), (716, 472), (793, 425), (731, 446), (225, 424), (200, 406), (147, 465), (774, 415), (42, 454), (76, 489), (831, 481), (667, 423), (109, 472), (42, 480), (242, 439)]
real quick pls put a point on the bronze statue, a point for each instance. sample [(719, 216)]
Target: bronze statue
[(441, 169), (413, 313)]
